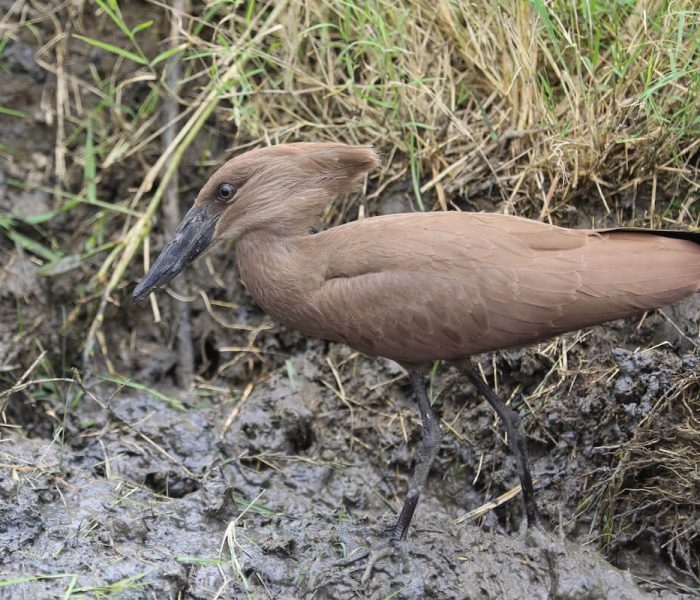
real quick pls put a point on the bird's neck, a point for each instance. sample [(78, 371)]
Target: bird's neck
[(278, 272)]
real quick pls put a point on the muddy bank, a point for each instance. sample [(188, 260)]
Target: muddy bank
[(265, 493), (264, 534)]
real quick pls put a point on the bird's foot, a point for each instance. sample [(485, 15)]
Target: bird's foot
[(527, 525), (537, 536), (373, 555)]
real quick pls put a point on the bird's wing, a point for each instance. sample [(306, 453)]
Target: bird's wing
[(444, 285)]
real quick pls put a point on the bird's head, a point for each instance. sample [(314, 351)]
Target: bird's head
[(281, 189)]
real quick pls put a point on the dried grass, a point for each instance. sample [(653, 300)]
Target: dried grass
[(654, 487)]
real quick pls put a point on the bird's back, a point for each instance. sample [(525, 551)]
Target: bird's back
[(420, 287)]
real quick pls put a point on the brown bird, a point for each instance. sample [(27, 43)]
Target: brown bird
[(419, 287)]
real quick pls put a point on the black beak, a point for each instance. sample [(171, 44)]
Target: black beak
[(192, 237)]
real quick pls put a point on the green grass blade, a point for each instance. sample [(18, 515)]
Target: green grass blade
[(142, 388), (33, 246), (113, 12), (114, 49), (73, 201), (141, 27), (11, 112), (165, 55)]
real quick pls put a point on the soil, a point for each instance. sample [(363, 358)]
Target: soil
[(287, 460), (269, 494)]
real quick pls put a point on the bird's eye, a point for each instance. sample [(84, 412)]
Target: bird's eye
[(225, 192)]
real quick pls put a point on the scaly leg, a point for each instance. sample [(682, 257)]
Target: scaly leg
[(511, 421), (432, 435)]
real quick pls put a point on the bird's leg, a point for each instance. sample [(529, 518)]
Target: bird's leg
[(432, 435), (511, 421)]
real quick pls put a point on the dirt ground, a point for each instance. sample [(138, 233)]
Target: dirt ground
[(134, 497), (287, 459)]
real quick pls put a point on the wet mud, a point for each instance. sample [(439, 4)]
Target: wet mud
[(269, 494)]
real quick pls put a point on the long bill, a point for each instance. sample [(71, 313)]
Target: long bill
[(192, 237)]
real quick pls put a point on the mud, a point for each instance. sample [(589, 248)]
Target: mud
[(286, 461), (269, 506), (267, 495)]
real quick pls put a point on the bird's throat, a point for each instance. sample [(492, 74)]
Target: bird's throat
[(280, 273)]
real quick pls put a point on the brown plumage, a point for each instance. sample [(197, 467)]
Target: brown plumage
[(419, 287)]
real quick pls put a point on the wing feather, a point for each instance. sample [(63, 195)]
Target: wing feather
[(444, 285)]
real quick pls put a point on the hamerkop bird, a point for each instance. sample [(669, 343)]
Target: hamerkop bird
[(419, 287)]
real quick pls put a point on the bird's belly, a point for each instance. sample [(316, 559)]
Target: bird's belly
[(401, 349), (395, 343)]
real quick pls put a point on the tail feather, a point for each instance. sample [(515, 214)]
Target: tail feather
[(690, 236)]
